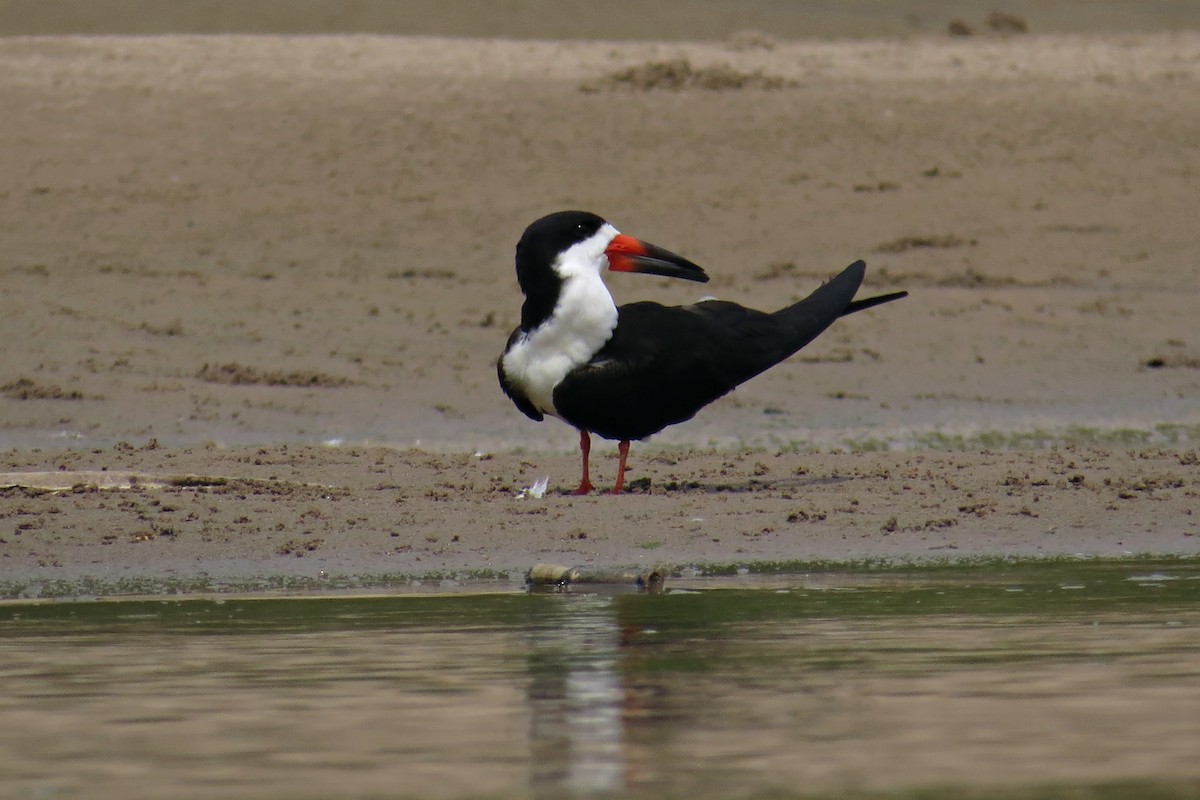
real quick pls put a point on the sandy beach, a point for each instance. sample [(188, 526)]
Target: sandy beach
[(268, 276)]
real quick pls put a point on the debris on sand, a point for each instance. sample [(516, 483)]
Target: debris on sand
[(1002, 22), (239, 375), (679, 75), (28, 389), (959, 28), (905, 243)]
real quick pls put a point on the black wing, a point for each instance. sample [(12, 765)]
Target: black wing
[(663, 364)]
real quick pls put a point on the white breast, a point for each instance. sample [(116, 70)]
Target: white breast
[(583, 320)]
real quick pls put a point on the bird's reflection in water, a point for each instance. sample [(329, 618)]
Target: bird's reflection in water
[(579, 699)]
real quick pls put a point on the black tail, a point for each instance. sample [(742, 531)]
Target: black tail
[(833, 299), (871, 302)]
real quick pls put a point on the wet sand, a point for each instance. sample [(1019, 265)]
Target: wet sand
[(211, 519), (221, 252), (666, 20)]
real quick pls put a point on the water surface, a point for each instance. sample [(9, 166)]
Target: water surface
[(1041, 681)]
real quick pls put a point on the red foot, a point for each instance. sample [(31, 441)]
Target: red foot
[(585, 448), (623, 452)]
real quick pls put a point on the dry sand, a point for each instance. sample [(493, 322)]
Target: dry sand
[(220, 252)]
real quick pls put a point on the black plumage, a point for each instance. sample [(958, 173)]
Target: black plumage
[(665, 363), (650, 365)]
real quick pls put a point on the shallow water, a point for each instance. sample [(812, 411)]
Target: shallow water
[(1040, 681)]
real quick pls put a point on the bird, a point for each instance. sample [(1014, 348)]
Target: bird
[(625, 373)]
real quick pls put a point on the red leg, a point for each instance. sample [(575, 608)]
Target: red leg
[(623, 450), (585, 446)]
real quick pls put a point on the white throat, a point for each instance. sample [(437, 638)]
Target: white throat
[(583, 320)]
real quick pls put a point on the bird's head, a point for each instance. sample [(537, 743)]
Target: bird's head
[(566, 244)]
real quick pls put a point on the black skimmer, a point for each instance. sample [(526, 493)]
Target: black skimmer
[(626, 373)]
